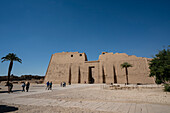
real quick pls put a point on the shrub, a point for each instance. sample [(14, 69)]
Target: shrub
[(160, 66), (167, 87), (158, 81)]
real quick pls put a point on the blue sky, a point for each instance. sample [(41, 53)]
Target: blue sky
[(35, 29)]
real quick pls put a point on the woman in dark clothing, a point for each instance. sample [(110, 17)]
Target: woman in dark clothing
[(23, 87), (50, 84), (10, 87), (27, 86)]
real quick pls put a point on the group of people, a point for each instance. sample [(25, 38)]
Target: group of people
[(63, 84), (10, 86), (49, 85), (25, 85)]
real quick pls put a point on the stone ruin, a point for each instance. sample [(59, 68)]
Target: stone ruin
[(73, 67)]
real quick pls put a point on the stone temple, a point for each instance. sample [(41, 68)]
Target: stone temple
[(73, 67)]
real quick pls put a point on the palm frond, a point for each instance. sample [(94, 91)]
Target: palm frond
[(18, 59), (4, 60), (11, 57), (125, 65)]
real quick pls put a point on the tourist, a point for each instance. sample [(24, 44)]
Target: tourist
[(10, 86), (27, 86), (23, 87), (64, 84), (47, 85), (61, 85), (50, 85)]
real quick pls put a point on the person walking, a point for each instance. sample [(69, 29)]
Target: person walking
[(47, 85), (61, 84), (23, 87), (27, 86), (10, 87), (64, 84), (50, 85)]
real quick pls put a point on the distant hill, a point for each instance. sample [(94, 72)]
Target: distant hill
[(22, 77)]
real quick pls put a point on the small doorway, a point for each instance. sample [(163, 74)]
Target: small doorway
[(90, 78)]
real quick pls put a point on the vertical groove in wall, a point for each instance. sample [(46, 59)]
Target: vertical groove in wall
[(114, 74), (98, 74), (69, 81), (79, 75), (103, 74)]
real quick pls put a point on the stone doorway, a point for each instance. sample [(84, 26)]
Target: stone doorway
[(90, 77)]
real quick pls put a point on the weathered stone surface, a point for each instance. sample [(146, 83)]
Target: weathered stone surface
[(73, 67)]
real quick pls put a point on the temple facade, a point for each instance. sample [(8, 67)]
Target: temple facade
[(74, 68)]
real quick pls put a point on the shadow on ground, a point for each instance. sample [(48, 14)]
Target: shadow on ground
[(5, 108), (12, 91)]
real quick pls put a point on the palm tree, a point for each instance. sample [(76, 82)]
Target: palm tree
[(10, 57), (126, 65)]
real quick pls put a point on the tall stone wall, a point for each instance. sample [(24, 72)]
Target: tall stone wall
[(73, 67), (138, 73), (64, 67)]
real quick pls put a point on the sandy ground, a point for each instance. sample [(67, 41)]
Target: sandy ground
[(85, 98)]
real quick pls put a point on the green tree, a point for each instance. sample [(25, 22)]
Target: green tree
[(160, 66), (10, 57), (126, 65)]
